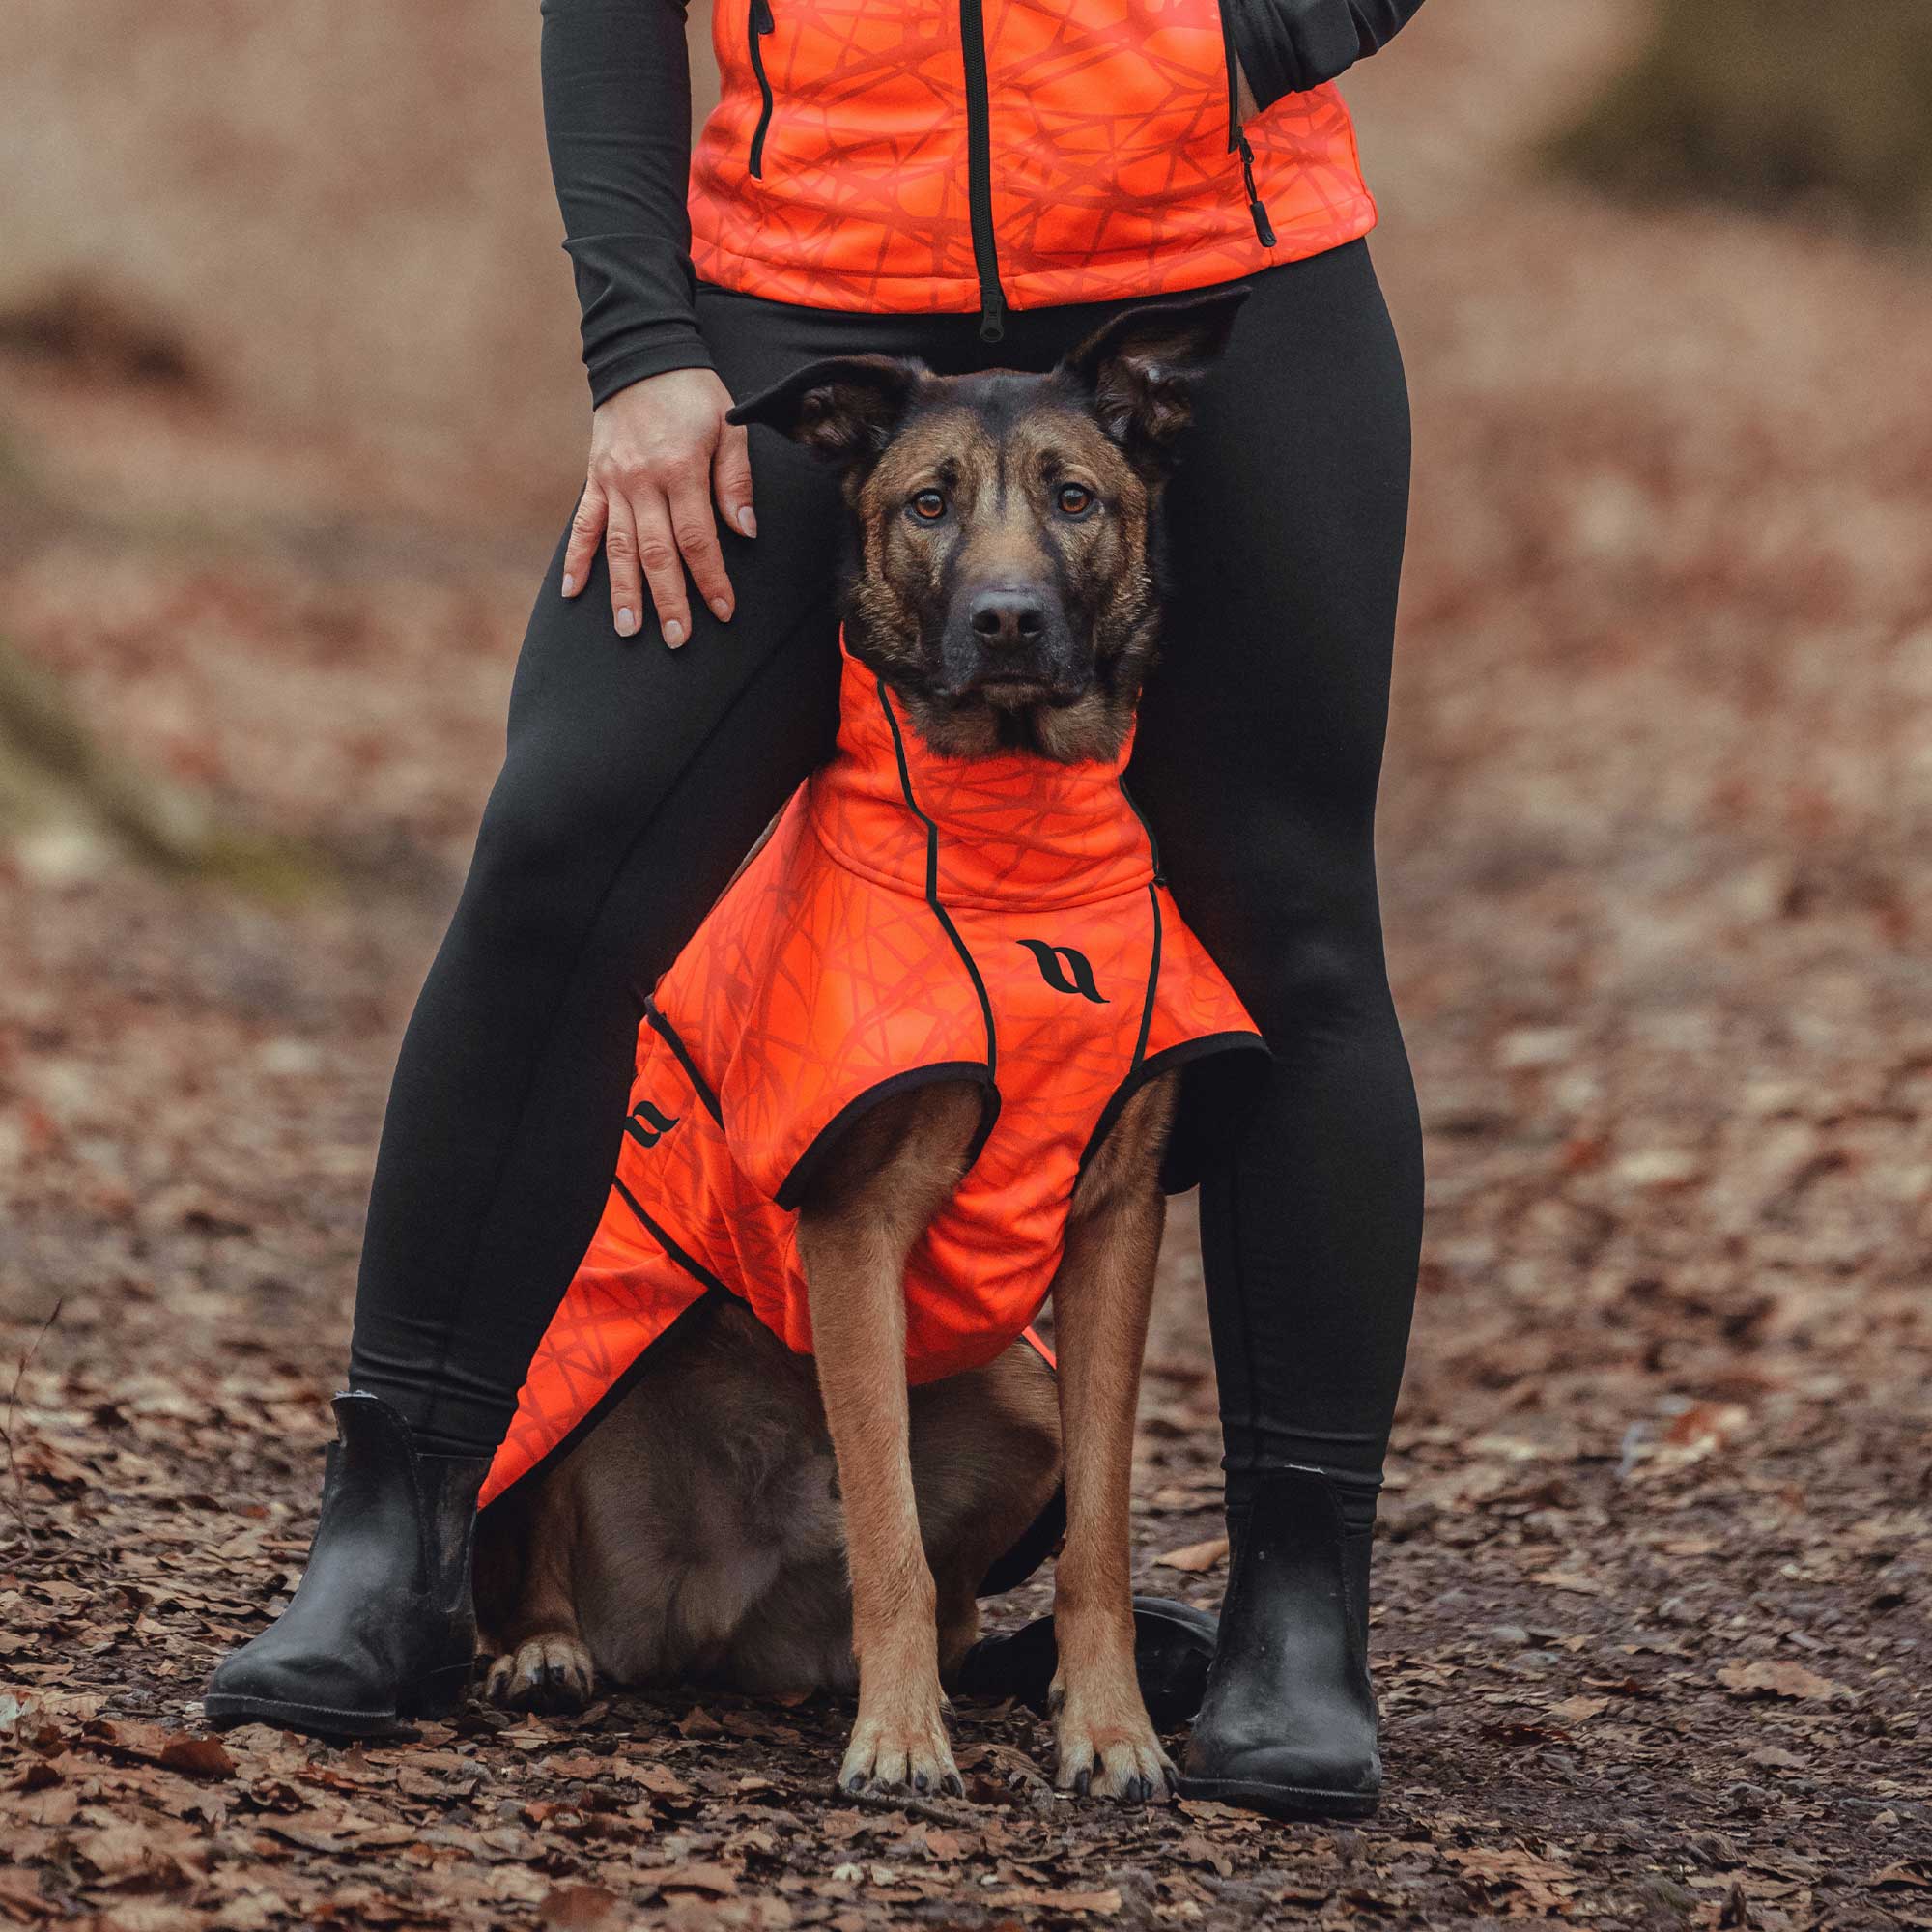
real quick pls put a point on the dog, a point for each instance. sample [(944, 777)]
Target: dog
[(688, 1493)]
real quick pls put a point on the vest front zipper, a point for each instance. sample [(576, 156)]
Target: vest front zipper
[(1238, 140), (759, 23), (980, 170)]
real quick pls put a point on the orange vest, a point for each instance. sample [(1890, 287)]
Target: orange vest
[(911, 918), (919, 156)]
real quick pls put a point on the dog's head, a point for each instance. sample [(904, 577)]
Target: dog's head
[(1003, 577)]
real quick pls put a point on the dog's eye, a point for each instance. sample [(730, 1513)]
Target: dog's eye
[(928, 506), (1075, 499)]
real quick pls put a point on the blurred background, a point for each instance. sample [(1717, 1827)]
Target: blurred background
[(291, 413)]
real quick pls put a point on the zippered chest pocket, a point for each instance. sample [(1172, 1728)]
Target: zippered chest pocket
[(758, 23)]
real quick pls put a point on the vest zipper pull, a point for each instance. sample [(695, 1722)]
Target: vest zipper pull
[(992, 314), (1264, 227)]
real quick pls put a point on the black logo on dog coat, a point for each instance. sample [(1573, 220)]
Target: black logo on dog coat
[(1058, 962), (647, 1126)]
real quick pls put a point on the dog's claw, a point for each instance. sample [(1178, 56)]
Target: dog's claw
[(954, 1784), (552, 1675), (1118, 1758), (898, 1758)]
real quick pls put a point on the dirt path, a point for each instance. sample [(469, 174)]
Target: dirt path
[(1653, 1640)]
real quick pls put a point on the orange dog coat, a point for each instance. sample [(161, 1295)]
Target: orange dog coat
[(910, 919)]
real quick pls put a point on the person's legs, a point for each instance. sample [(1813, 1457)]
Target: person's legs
[(636, 779), (1258, 760)]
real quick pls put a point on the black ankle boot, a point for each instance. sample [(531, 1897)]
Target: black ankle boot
[(382, 1627), (1174, 1644), (1289, 1722)]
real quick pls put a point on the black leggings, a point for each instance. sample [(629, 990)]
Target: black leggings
[(637, 777)]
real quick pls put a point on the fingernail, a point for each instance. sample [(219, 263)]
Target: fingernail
[(627, 622), (673, 634), (569, 584), (720, 610), (748, 522)]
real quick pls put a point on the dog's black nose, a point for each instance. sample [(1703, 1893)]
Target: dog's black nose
[(1007, 616)]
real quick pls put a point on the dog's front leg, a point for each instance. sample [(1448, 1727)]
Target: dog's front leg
[(1101, 1296), (854, 1235)]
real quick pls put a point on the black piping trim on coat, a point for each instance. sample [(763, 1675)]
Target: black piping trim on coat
[(1233, 1041), (1153, 981), (695, 1270), (608, 1399), (669, 1033), (932, 899), (1153, 901), (801, 1174)]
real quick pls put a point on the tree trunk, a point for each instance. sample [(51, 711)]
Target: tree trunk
[(1779, 105)]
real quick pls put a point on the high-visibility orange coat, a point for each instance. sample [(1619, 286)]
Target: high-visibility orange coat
[(920, 155), (911, 918)]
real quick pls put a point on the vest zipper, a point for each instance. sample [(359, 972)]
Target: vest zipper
[(1264, 227), (980, 170), (1238, 140), (758, 23)]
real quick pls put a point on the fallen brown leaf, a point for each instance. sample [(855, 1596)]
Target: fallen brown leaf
[(713, 1879), (1196, 1557), (1049, 1900), (1578, 1710), (1768, 1677), (580, 1908)]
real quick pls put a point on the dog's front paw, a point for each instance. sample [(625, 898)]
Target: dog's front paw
[(901, 1754), (1107, 1747), (552, 1675)]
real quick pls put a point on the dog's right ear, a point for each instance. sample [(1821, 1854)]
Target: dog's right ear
[(846, 408)]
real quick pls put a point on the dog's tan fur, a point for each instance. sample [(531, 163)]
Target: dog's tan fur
[(705, 1528)]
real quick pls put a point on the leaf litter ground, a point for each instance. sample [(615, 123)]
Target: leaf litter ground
[(1652, 1636)]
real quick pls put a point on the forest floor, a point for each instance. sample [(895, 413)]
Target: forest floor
[(1654, 1629)]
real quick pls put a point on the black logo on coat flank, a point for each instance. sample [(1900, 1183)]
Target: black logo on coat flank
[(647, 1126), (1065, 970)]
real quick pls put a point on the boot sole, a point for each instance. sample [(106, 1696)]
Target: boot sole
[(1282, 1800), (433, 1697)]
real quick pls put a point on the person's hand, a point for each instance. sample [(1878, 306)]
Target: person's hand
[(660, 452)]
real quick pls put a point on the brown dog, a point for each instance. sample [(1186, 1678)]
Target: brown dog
[(1002, 584)]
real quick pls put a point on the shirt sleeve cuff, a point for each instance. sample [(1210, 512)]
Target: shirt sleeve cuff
[(681, 350)]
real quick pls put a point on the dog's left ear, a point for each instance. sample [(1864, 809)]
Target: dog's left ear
[(846, 408), (1141, 370)]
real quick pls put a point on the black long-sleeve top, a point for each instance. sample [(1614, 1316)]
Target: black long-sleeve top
[(616, 91)]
